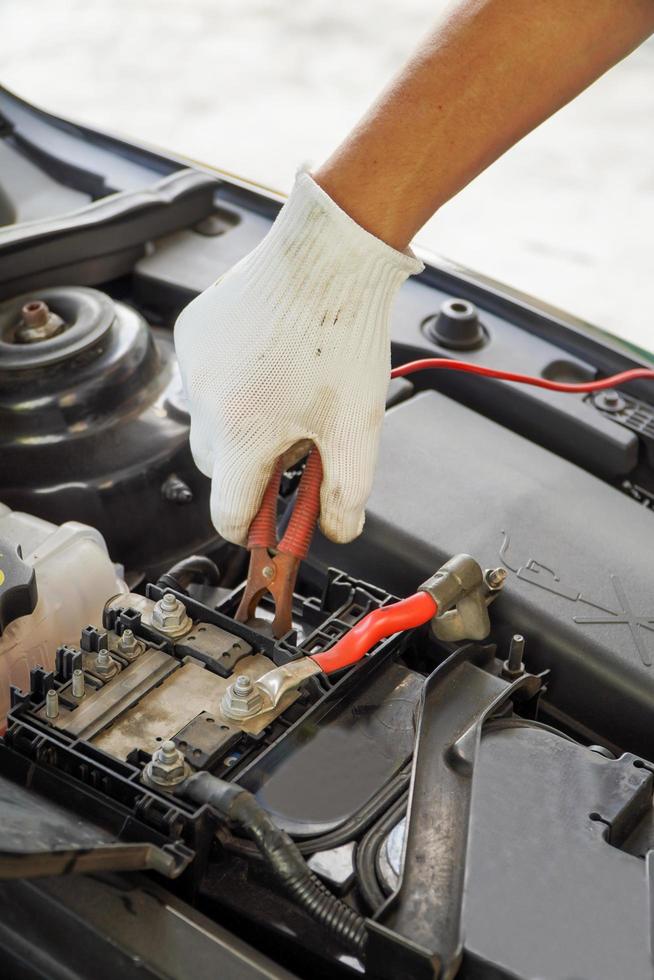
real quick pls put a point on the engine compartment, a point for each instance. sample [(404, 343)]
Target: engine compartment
[(358, 772), (445, 806)]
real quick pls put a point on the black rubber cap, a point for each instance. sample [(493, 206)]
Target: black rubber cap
[(457, 326), (18, 592)]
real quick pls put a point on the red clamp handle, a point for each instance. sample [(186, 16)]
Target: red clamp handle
[(301, 526), (296, 540), (263, 529)]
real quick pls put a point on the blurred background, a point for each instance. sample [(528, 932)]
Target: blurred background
[(258, 87)]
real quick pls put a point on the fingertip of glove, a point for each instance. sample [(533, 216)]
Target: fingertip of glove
[(204, 465), (230, 529), (201, 453), (343, 527)]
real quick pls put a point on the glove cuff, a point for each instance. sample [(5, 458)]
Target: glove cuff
[(320, 256)]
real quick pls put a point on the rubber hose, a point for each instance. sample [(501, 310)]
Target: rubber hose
[(240, 808), (196, 568)]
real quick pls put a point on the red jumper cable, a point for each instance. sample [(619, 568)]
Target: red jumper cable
[(273, 568)]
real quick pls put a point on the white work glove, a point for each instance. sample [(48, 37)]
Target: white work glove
[(293, 344)]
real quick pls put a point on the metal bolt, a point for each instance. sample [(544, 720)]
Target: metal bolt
[(38, 323), (167, 767), (36, 313), (168, 751), (268, 571), (176, 490), (77, 686), (242, 684), (609, 401), (513, 666), (127, 640), (516, 651), (496, 577), (104, 665), (51, 704)]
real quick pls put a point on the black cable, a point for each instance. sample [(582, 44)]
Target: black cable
[(196, 568), (350, 830), (366, 854), (240, 808)]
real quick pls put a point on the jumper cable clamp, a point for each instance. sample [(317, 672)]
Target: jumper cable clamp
[(274, 565)]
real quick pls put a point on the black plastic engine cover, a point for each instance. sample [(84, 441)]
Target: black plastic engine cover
[(579, 555)]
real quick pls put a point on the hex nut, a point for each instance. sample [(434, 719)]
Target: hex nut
[(127, 641), (495, 577), (241, 700), (128, 646), (169, 615), (167, 767), (38, 323), (104, 665)]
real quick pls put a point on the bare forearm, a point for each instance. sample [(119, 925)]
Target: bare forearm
[(489, 73)]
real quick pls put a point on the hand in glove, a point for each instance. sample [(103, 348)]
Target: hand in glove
[(292, 344)]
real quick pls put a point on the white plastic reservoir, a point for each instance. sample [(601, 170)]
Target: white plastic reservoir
[(74, 579)]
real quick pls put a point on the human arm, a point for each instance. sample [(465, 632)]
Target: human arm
[(293, 343)]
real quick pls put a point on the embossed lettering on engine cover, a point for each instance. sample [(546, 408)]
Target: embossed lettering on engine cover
[(544, 577)]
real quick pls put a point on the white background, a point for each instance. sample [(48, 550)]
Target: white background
[(258, 87)]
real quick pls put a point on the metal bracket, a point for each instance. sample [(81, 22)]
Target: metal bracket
[(423, 917)]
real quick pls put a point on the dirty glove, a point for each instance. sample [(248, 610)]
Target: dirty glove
[(293, 344)]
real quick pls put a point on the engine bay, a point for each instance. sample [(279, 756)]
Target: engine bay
[(183, 784)]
